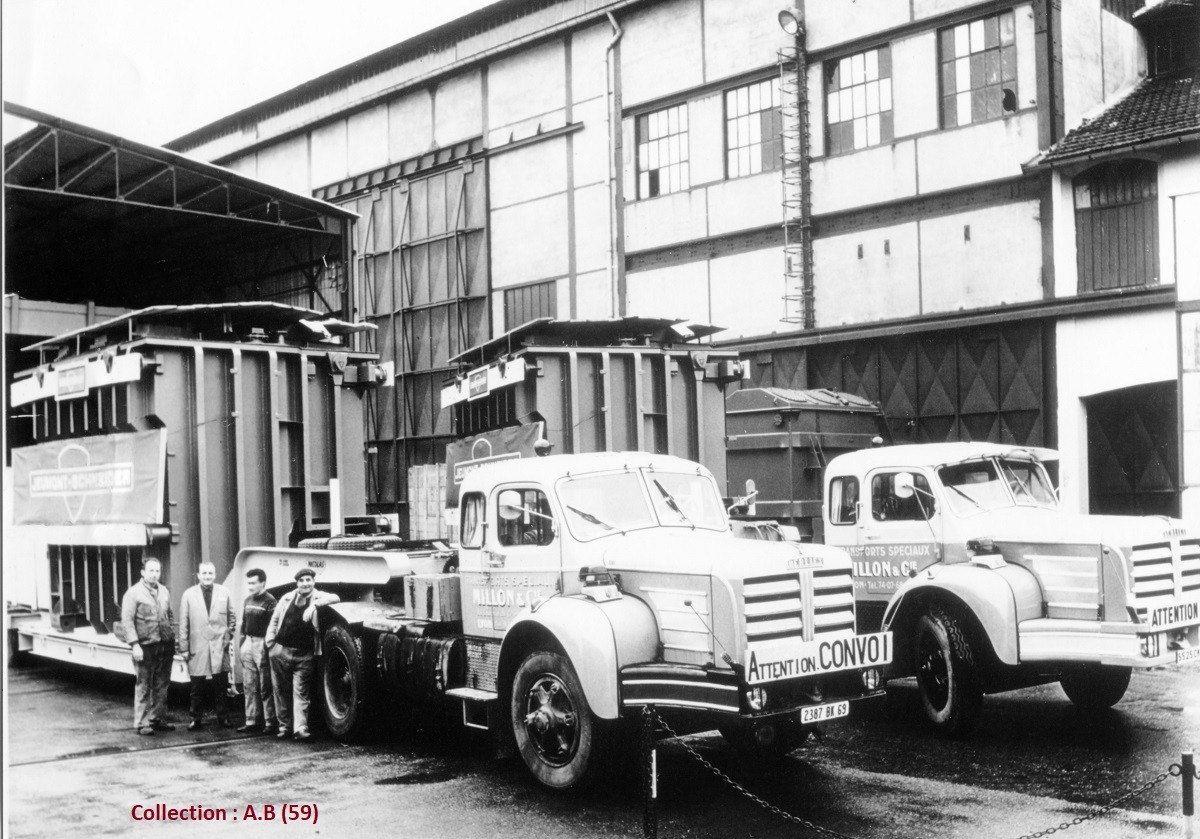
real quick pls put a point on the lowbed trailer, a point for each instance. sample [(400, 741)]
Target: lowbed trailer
[(182, 433)]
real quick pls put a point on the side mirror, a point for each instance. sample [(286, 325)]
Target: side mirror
[(511, 508), (902, 485)]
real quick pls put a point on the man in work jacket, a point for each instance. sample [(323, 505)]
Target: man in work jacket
[(149, 630), (251, 646), (206, 625), (293, 640)]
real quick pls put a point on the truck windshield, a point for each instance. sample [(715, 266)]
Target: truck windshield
[(603, 505), (981, 485)]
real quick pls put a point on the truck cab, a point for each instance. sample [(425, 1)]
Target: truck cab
[(963, 551)]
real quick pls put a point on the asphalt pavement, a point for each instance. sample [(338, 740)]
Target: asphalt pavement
[(76, 767)]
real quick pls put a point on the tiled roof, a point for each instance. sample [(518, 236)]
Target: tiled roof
[(1158, 109)]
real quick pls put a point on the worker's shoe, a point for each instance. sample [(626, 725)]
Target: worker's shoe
[(249, 728), (146, 731), (283, 734), (159, 725), (195, 725), (271, 728), (302, 736)]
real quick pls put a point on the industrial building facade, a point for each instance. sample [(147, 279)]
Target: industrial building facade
[(975, 213)]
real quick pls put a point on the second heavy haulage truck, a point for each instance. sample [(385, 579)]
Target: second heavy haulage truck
[(964, 553)]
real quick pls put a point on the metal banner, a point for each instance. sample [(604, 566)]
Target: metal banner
[(113, 479), (464, 456)]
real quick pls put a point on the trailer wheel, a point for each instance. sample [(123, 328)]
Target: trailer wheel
[(946, 676), (1096, 688), (556, 733), (347, 695)]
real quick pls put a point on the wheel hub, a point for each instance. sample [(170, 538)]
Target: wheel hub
[(550, 720)]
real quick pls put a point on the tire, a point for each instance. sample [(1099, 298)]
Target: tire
[(946, 674), (1096, 688), (347, 694), (557, 734)]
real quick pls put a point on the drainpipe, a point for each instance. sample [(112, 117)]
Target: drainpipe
[(616, 190)]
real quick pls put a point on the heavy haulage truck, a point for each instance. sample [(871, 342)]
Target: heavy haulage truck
[(963, 552), (583, 587)]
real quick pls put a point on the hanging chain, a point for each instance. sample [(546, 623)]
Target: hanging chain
[(783, 814), (1174, 770), (1078, 820)]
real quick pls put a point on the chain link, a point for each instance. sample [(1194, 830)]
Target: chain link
[(745, 792), (1174, 770), (1108, 808)]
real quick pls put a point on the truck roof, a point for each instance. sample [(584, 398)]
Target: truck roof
[(932, 454), (548, 469)]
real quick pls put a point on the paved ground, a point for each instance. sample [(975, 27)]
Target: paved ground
[(76, 768)]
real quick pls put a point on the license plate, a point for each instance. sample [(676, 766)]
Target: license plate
[(821, 713), (1187, 655)]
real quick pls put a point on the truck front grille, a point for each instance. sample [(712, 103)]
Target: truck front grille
[(776, 607), (833, 601), (1163, 571)]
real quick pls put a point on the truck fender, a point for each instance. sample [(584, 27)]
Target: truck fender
[(996, 600), (350, 612), (598, 638)]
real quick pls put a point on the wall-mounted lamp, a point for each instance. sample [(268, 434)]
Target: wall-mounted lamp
[(789, 23)]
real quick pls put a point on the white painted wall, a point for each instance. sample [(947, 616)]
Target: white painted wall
[(1090, 361), (529, 242), (679, 291), (662, 51), (877, 287), (861, 178)]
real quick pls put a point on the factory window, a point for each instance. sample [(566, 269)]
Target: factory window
[(753, 126), (1116, 225), (979, 70), (858, 100), (662, 152)]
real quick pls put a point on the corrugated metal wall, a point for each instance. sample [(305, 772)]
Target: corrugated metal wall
[(423, 277)]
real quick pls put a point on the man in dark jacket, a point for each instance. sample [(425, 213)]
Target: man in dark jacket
[(149, 629), (293, 640), (256, 669)]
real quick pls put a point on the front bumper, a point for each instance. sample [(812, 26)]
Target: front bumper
[(1107, 643)]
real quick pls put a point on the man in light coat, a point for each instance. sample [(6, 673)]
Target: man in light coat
[(294, 640), (206, 625)]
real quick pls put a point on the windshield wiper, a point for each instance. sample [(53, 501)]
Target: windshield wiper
[(964, 495), (673, 504), (589, 518), (1017, 483)]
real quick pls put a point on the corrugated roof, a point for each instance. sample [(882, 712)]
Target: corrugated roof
[(1158, 110)]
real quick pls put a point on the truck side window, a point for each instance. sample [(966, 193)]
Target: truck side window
[(887, 506), (843, 500), (472, 520), (534, 526)]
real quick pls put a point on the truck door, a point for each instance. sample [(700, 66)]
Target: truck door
[(896, 531), (521, 563)]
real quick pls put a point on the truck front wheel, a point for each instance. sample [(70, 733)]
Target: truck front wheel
[(946, 676), (344, 679), (556, 732), (1096, 688)]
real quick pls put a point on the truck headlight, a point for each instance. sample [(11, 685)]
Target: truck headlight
[(870, 678), (756, 698)]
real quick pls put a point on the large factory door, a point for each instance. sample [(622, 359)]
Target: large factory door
[(422, 269), (1133, 451)]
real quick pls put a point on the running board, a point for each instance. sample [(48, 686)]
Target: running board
[(477, 706)]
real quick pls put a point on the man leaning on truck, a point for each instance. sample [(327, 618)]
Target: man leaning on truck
[(293, 640), (150, 630)]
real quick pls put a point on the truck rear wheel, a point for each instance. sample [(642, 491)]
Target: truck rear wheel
[(1096, 688), (347, 695), (556, 732), (946, 675)]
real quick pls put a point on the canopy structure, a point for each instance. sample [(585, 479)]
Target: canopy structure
[(95, 217)]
